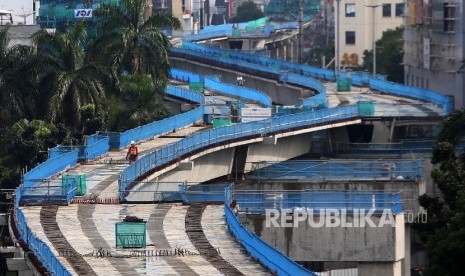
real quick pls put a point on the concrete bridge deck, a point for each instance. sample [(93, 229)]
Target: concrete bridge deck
[(89, 229)]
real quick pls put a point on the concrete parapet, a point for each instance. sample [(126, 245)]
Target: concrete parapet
[(382, 243)]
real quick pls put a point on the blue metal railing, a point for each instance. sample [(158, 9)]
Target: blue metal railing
[(338, 169), (120, 140), (254, 62), (203, 139), (41, 250), (50, 167), (378, 201), (185, 94), (238, 92), (269, 256), (203, 192), (96, 145)]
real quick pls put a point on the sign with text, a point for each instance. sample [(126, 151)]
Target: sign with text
[(83, 13), (249, 114)]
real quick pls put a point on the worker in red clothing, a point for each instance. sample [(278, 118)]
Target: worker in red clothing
[(133, 152)]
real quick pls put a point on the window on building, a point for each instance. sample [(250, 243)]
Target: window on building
[(449, 19), (350, 10), (350, 38), (400, 9), (386, 10)]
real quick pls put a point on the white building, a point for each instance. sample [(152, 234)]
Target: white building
[(359, 20), (433, 47)]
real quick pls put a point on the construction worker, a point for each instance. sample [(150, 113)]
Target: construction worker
[(133, 152)]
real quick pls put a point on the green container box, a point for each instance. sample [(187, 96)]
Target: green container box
[(197, 86), (366, 108), (344, 85), (220, 122), (130, 234), (81, 188)]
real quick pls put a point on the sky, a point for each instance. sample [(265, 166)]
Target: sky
[(16, 7)]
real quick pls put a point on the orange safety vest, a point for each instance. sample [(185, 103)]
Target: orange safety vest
[(133, 150)]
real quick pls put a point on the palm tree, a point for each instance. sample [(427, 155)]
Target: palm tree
[(134, 44), (18, 89), (71, 80)]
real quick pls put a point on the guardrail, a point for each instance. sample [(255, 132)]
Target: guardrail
[(238, 92), (338, 169), (120, 140), (96, 146), (250, 62), (350, 201), (212, 83), (269, 256), (185, 94), (203, 192), (40, 250), (176, 151), (50, 167)]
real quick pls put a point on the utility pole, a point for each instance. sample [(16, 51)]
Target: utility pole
[(336, 65), (373, 7), (301, 35)]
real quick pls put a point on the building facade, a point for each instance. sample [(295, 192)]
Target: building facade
[(360, 22), (433, 47)]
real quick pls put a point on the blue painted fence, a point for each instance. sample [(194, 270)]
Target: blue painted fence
[(203, 192), (185, 94), (216, 136), (378, 201), (50, 167), (41, 250), (120, 140), (96, 146), (244, 93), (269, 256), (254, 62), (338, 169)]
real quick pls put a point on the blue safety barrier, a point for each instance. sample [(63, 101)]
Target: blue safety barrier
[(50, 167), (203, 192), (96, 146), (185, 94), (269, 256), (284, 67), (375, 201), (244, 93), (223, 134), (39, 248), (338, 169), (120, 140), (413, 92), (185, 76)]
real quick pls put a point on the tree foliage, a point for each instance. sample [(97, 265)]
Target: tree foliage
[(389, 54), (132, 43), (445, 230), (68, 80), (247, 11), (67, 86)]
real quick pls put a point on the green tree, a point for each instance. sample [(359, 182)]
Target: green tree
[(140, 102), (132, 43), (68, 81), (25, 144), (18, 89), (389, 55), (445, 230), (247, 11)]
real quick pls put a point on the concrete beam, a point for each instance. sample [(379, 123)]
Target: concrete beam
[(17, 264), (272, 140), (185, 166)]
